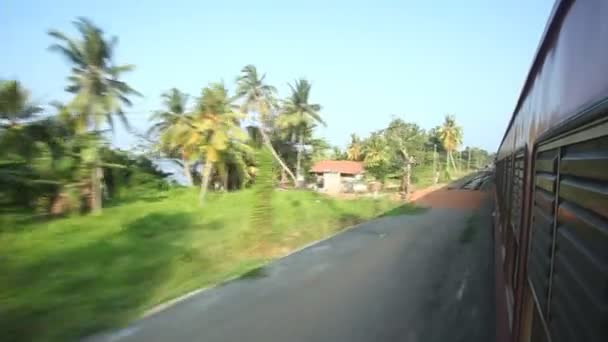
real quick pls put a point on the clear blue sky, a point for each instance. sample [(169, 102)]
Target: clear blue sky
[(368, 60)]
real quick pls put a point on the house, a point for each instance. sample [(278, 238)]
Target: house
[(334, 176)]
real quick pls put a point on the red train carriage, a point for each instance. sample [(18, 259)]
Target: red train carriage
[(552, 186)]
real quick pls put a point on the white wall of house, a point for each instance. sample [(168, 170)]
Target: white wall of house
[(332, 182)]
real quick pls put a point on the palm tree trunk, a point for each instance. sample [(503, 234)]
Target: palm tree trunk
[(187, 171), (276, 156), (299, 160), (97, 173), (205, 181), (447, 160), (450, 161)]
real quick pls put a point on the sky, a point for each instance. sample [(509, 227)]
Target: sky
[(368, 61)]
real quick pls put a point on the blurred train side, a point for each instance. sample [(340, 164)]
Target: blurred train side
[(551, 224)]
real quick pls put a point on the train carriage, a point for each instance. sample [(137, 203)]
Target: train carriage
[(551, 222)]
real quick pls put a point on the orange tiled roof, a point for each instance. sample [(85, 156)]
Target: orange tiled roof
[(341, 166)]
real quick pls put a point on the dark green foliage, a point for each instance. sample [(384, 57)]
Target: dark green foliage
[(41, 159), (15, 104), (384, 154), (46, 166), (128, 175)]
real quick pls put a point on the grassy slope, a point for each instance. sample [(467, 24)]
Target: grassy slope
[(71, 277)]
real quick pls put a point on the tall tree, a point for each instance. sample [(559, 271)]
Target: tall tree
[(211, 131), (451, 138), (15, 104), (354, 151), (43, 163), (406, 143), (301, 114), (174, 114), (259, 101), (320, 149), (99, 94), (234, 168), (377, 155)]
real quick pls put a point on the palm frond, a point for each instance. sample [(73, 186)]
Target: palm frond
[(120, 69), (123, 119)]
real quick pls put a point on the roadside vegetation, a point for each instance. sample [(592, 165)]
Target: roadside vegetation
[(67, 278), (92, 236)]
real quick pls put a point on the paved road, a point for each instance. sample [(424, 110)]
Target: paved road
[(405, 278)]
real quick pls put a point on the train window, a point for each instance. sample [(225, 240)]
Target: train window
[(518, 184), (516, 213), (568, 255), (578, 302), (541, 230)]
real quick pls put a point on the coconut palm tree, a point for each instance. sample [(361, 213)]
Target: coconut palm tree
[(211, 131), (15, 103), (354, 150), (377, 155), (451, 137), (235, 165), (174, 114), (376, 150), (300, 114), (258, 100), (99, 94)]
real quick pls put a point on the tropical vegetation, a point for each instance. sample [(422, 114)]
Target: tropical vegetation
[(93, 236)]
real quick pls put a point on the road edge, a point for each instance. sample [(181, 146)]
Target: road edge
[(172, 302)]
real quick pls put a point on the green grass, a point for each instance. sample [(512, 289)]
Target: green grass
[(67, 278)]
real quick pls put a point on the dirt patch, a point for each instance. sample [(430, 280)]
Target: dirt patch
[(416, 195), (444, 198)]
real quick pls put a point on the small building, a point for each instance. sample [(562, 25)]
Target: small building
[(334, 176)]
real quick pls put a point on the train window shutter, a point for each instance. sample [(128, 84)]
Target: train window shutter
[(516, 209), (541, 240), (518, 184), (568, 259), (578, 302)]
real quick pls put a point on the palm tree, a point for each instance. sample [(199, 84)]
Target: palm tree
[(259, 100), (99, 94), (234, 166), (17, 143), (354, 150), (376, 150), (174, 114), (377, 156), (211, 131), (301, 114), (15, 104), (451, 137)]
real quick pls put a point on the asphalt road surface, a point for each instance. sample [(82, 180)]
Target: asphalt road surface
[(424, 277)]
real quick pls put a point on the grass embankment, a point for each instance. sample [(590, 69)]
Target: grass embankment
[(67, 278)]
